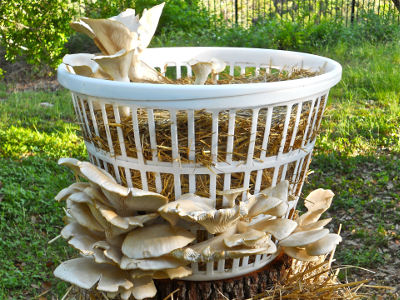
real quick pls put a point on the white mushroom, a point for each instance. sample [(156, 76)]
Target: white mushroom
[(214, 249), (117, 65), (85, 273), (279, 228), (82, 64), (155, 263), (313, 226), (112, 36), (317, 203), (324, 245), (218, 65), (197, 209), (299, 254), (261, 204), (129, 19), (201, 71), (231, 195), (155, 240), (251, 238), (303, 238)]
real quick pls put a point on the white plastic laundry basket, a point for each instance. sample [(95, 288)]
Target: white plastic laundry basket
[(272, 107)]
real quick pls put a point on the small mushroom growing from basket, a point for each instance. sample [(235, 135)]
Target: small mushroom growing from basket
[(202, 69), (310, 239)]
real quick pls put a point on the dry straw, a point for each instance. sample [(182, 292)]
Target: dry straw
[(203, 135)]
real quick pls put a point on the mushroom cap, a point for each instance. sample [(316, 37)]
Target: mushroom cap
[(324, 245), (231, 195), (279, 210), (74, 228), (317, 203), (129, 19), (155, 240), (184, 206), (83, 215), (83, 28), (143, 288), (112, 36), (156, 263), (279, 191), (149, 22), (303, 238), (117, 65), (299, 254), (85, 273), (261, 204), (313, 226), (251, 238), (279, 228), (65, 193), (72, 163), (218, 65)]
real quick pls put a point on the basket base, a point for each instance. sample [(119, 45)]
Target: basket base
[(242, 287)]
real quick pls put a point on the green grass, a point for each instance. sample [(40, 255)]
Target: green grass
[(357, 156)]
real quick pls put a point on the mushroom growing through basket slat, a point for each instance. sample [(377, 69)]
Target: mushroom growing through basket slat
[(124, 250)]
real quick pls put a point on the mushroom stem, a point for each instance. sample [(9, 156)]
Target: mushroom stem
[(201, 70)]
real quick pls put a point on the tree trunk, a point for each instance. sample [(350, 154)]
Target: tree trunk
[(397, 4), (242, 287)]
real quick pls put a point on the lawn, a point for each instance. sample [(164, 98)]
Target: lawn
[(357, 156)]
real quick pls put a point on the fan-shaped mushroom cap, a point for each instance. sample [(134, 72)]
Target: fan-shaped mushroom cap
[(279, 210), (71, 163), (279, 228), (143, 288), (201, 71), (251, 238), (85, 273), (155, 263), (313, 226), (80, 185), (109, 251), (65, 193), (81, 197), (317, 203), (83, 215), (125, 200), (231, 195), (98, 195), (155, 240), (112, 36), (183, 206), (214, 249), (82, 64), (261, 204), (324, 245), (303, 238), (218, 65), (141, 72), (85, 244), (299, 254), (117, 65), (279, 191), (129, 19), (149, 22), (74, 228), (83, 28)]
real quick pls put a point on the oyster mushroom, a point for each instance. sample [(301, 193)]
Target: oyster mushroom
[(82, 64), (155, 240), (201, 210), (117, 65), (231, 195), (201, 71), (303, 238), (324, 245), (86, 273), (218, 65)]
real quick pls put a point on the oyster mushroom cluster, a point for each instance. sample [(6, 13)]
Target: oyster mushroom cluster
[(127, 237), (122, 40)]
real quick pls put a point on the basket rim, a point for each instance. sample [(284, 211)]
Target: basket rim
[(168, 92)]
